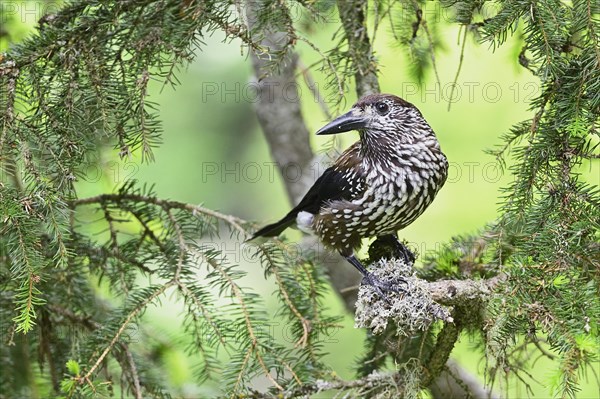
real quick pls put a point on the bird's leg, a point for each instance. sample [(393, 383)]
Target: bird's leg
[(356, 263), (370, 279), (406, 253)]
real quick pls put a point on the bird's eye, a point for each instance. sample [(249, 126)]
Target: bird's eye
[(382, 108)]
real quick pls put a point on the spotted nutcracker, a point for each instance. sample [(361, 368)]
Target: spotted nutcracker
[(378, 186)]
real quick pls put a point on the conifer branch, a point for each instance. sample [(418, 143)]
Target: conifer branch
[(132, 315), (233, 221), (360, 51), (206, 313), (288, 301), (183, 247), (254, 347)]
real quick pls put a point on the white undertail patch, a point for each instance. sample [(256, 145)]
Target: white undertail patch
[(304, 221)]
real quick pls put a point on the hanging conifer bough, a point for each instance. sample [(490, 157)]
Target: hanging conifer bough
[(526, 286)]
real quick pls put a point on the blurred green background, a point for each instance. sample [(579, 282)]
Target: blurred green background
[(213, 153)]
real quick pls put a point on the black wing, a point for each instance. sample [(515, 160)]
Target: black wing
[(334, 184)]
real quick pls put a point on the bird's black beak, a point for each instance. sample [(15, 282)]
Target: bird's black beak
[(344, 123)]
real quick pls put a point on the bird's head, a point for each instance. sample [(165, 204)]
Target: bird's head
[(381, 116)]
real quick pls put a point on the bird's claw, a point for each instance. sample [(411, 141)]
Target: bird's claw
[(406, 253), (408, 256), (381, 287)]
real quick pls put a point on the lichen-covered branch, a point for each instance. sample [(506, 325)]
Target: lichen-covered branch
[(460, 292), (412, 310)]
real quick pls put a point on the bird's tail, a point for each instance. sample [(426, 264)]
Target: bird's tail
[(274, 229)]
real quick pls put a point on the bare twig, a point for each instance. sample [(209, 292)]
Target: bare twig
[(137, 389), (339, 81), (86, 322), (314, 88), (460, 63)]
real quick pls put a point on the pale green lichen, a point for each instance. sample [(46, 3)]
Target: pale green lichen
[(410, 310)]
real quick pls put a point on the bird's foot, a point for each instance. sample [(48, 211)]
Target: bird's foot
[(389, 245), (382, 287), (403, 251)]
